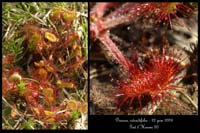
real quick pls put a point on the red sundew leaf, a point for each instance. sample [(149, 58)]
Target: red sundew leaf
[(166, 11), (51, 37), (56, 14), (99, 9), (163, 12), (30, 28), (42, 73), (31, 100), (71, 38), (15, 70), (124, 9), (8, 59), (32, 86), (72, 105), (68, 24), (77, 63), (35, 94), (39, 111), (34, 37), (47, 92), (150, 81), (50, 68), (50, 101), (77, 52), (6, 86), (61, 116), (83, 108), (126, 13)]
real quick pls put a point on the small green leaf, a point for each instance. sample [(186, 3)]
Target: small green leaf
[(15, 46), (29, 124), (75, 115), (21, 86), (53, 127)]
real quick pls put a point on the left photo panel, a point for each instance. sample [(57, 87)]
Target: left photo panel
[(45, 65)]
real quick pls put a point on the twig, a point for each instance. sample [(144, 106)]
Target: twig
[(52, 24), (14, 109), (32, 80), (66, 93), (100, 74), (20, 119), (7, 31), (81, 14), (41, 123), (34, 16), (7, 122), (119, 40), (191, 101), (47, 15)]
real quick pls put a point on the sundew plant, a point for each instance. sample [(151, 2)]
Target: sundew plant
[(44, 70)]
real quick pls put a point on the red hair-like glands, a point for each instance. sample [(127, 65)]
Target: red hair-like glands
[(155, 80)]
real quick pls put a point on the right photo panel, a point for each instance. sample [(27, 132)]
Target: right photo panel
[(143, 58)]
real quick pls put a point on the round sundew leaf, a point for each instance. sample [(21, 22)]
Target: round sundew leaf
[(50, 100), (56, 14), (51, 37), (84, 108), (72, 105), (69, 15), (42, 72), (48, 92), (49, 68)]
